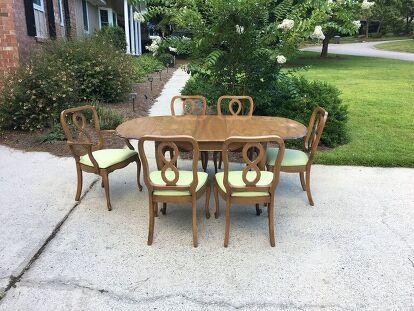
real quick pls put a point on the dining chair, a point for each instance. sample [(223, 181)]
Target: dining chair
[(240, 110), (253, 184), (297, 161), (86, 142), (168, 184)]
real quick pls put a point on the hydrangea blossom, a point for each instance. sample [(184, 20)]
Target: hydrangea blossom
[(286, 24), (139, 17), (153, 47), (366, 5), (174, 50), (281, 59), (357, 24), (239, 29), (318, 33), (157, 39)]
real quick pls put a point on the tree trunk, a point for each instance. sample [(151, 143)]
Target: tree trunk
[(325, 45), (367, 30)]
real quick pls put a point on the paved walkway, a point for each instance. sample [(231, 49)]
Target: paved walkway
[(363, 49), (354, 250)]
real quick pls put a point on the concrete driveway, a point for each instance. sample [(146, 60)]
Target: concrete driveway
[(353, 251), (363, 49)]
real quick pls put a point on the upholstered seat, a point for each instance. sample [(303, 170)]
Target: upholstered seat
[(108, 157), (236, 180), (184, 179), (291, 158)]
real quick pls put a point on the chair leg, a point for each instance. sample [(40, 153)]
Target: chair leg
[(155, 206), (164, 208), (220, 160), (208, 193), (308, 190), (194, 207), (271, 216), (302, 180), (258, 210), (105, 182), (227, 230), (139, 173), (80, 182), (151, 222), (216, 199), (215, 161), (204, 160)]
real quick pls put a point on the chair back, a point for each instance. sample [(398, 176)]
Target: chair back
[(189, 104), (169, 145), (254, 156), (81, 125), (315, 129), (241, 101)]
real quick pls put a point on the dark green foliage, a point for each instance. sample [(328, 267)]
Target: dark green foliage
[(289, 97), (108, 119), (112, 35), (54, 134), (165, 58), (60, 76)]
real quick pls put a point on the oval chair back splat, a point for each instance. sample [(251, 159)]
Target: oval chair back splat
[(189, 104), (235, 105)]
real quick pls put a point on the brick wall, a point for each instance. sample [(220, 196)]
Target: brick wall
[(9, 56)]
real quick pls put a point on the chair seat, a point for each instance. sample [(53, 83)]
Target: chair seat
[(108, 157), (236, 179), (184, 179), (291, 157)]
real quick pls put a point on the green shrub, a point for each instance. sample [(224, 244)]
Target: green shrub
[(184, 46), (289, 97), (144, 65), (60, 76), (108, 119), (165, 58), (113, 35), (54, 134)]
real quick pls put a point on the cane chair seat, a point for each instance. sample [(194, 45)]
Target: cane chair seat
[(185, 179), (108, 157), (236, 180), (291, 158)]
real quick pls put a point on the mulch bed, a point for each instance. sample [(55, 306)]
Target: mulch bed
[(31, 141)]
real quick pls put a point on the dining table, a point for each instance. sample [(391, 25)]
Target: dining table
[(210, 131)]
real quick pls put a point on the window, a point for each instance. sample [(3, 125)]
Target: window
[(38, 5), (85, 16), (61, 14), (107, 17)]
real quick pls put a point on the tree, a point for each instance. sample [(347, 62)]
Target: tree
[(406, 8), (342, 18)]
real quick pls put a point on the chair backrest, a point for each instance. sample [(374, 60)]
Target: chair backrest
[(81, 125), (189, 104), (254, 156), (241, 109), (315, 129), (169, 145)]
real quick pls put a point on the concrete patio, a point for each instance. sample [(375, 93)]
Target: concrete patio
[(354, 250)]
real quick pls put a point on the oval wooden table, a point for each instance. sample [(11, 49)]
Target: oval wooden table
[(210, 131)]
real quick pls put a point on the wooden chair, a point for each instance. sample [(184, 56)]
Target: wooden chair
[(169, 184), (239, 111), (86, 142), (189, 104), (296, 161), (252, 185)]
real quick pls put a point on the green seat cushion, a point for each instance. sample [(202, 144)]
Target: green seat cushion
[(184, 179), (236, 179), (291, 157), (107, 157)]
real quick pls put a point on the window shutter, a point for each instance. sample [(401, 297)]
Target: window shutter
[(30, 19), (51, 19)]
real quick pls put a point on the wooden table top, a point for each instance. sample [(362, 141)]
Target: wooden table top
[(211, 128)]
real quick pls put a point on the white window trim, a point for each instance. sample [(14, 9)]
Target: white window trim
[(61, 15), (40, 7), (87, 17), (110, 16)]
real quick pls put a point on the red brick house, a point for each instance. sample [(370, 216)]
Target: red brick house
[(26, 24)]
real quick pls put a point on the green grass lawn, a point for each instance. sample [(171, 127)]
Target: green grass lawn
[(400, 46), (380, 96)]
